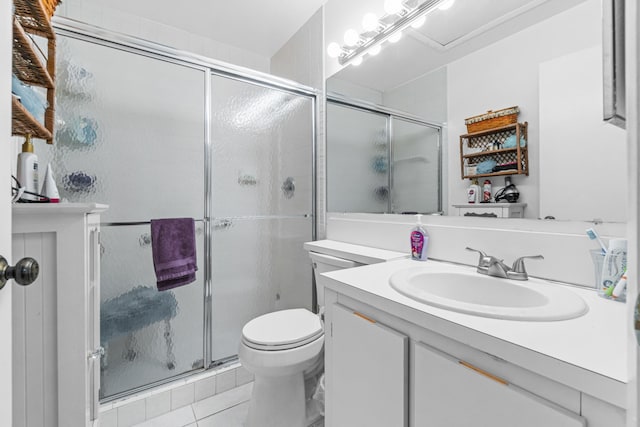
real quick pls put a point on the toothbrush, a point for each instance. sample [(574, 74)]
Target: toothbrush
[(591, 233)]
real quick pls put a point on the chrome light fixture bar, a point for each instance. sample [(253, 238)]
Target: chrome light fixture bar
[(385, 31)]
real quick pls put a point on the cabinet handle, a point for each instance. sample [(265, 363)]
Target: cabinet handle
[(483, 372), (368, 319)]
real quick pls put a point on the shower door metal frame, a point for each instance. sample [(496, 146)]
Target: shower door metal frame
[(390, 113), (92, 34)]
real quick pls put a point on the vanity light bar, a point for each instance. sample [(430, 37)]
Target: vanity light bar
[(385, 31)]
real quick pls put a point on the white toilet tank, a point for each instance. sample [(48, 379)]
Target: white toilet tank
[(328, 255), (324, 263)]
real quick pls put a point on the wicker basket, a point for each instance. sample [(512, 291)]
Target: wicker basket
[(50, 6), (492, 119)]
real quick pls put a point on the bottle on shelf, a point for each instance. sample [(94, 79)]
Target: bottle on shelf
[(28, 169), (473, 192), (486, 191)]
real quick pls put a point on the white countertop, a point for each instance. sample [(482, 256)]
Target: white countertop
[(587, 353), (57, 208)]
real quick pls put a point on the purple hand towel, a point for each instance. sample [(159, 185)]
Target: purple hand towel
[(173, 244)]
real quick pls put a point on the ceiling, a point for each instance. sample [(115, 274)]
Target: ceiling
[(259, 26), (446, 36)]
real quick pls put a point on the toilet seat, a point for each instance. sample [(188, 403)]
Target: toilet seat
[(282, 330)]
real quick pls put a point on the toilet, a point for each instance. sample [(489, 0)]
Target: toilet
[(280, 347)]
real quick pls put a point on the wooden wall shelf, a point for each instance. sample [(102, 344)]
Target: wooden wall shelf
[(30, 17), (477, 147)]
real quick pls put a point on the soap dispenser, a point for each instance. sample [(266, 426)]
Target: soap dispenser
[(419, 241), (28, 169)]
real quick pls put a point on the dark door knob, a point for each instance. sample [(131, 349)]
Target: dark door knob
[(24, 273)]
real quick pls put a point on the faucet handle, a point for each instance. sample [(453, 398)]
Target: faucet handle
[(484, 258), (518, 265)]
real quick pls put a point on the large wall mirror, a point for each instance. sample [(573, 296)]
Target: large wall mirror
[(543, 56)]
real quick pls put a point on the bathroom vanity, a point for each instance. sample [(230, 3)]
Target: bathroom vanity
[(56, 320), (391, 360)]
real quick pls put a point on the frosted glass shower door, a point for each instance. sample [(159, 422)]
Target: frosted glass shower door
[(262, 192), (132, 135), (357, 160), (416, 167)]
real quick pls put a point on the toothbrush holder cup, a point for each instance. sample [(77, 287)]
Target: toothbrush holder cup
[(598, 260)]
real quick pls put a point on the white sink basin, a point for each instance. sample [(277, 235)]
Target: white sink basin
[(474, 293)]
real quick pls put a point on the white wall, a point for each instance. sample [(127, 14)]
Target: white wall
[(580, 154), (425, 96), (478, 82), (300, 59), (354, 91), (6, 158)]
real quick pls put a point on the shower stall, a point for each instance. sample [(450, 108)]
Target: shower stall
[(158, 133), (381, 160)]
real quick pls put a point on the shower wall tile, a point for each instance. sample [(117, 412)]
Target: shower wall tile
[(121, 22), (158, 404), (226, 381), (131, 413), (182, 396), (110, 18), (109, 418), (222, 401), (205, 388)]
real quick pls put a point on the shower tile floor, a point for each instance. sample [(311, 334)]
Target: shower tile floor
[(228, 409)]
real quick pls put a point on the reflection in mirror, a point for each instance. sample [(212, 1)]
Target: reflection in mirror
[(381, 162), (543, 56)]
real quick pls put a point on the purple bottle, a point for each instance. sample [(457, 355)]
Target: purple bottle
[(419, 241)]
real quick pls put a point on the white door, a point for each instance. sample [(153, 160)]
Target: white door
[(632, 18), (5, 209)]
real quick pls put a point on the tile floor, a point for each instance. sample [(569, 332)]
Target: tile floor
[(228, 409)]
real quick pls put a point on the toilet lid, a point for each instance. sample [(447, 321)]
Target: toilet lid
[(283, 329)]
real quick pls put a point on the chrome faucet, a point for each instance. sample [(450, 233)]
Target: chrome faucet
[(492, 266)]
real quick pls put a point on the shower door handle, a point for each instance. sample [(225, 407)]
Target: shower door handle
[(222, 224)]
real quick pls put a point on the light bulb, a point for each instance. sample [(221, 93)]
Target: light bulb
[(356, 61), (419, 22), (370, 22), (334, 50), (446, 4), (393, 7), (395, 37), (351, 37), (374, 50)]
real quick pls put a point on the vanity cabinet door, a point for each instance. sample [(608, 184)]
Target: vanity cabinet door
[(368, 372), (450, 392)]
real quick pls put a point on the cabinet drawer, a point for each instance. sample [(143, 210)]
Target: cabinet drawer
[(498, 210), (450, 392)]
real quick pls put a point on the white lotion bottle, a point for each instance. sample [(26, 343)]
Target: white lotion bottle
[(28, 169), (473, 192)]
